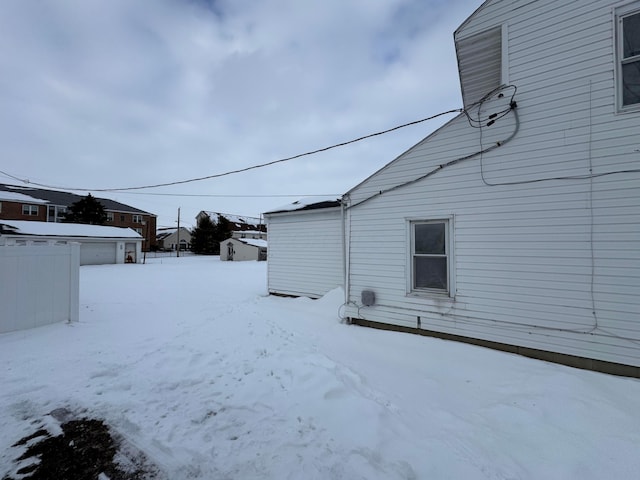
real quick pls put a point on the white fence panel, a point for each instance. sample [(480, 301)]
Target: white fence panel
[(40, 284)]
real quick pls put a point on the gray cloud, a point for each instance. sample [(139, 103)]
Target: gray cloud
[(98, 94)]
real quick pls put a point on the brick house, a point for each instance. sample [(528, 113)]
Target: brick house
[(37, 204)]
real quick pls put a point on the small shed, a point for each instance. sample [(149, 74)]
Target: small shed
[(98, 244), (305, 247), (242, 249)]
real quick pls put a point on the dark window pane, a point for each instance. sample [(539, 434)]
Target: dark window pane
[(631, 35), (430, 272), (631, 83), (429, 238)]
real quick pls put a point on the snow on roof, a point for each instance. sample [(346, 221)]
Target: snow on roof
[(309, 203), (23, 227), (250, 232), (256, 242), (238, 219), (20, 197)]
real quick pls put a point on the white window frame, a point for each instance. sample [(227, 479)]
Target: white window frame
[(449, 253), (136, 218), (619, 14), (56, 213), (109, 217), (30, 210)]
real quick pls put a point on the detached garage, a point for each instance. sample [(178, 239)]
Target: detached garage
[(305, 248), (99, 245)]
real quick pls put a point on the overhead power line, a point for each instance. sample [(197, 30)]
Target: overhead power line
[(240, 170)]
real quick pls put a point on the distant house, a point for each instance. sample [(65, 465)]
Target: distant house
[(168, 239), (242, 249), (98, 244), (255, 234), (238, 222), (516, 225), (43, 205), (305, 248)]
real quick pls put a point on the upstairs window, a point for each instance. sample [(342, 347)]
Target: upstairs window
[(137, 218), (629, 55)]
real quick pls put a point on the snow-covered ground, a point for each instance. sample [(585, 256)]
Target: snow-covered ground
[(193, 363)]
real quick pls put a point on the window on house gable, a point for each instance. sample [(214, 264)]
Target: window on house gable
[(629, 55), (430, 256), (31, 210)]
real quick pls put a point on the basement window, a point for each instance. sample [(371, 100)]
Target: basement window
[(430, 256), (628, 33)]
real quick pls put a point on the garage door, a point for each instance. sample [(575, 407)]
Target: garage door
[(97, 253)]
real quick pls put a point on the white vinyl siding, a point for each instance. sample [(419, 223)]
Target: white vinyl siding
[(535, 253), (480, 64), (305, 252)]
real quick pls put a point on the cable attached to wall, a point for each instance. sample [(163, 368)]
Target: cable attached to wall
[(490, 120)]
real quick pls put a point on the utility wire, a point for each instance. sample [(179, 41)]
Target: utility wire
[(222, 195), (245, 169)]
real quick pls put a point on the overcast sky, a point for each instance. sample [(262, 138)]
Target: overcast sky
[(99, 94)]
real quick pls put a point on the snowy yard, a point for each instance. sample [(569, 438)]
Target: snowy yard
[(193, 364)]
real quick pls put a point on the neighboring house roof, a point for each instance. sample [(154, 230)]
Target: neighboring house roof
[(19, 197), (311, 203), (51, 229), (239, 222), (55, 197), (255, 242), (163, 233), (251, 232)]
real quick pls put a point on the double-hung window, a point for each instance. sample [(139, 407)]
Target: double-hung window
[(31, 210), (628, 31), (430, 256)]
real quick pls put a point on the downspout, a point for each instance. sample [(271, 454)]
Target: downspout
[(345, 251)]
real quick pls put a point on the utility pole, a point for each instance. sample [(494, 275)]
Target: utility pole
[(178, 249)]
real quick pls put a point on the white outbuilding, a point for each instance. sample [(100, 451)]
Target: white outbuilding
[(305, 248), (98, 244), (242, 249)]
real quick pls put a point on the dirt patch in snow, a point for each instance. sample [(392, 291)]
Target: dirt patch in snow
[(86, 449)]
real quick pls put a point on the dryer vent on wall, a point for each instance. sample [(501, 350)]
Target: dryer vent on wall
[(368, 298)]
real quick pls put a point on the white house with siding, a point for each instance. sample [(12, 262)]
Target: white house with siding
[(305, 248), (517, 224)]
